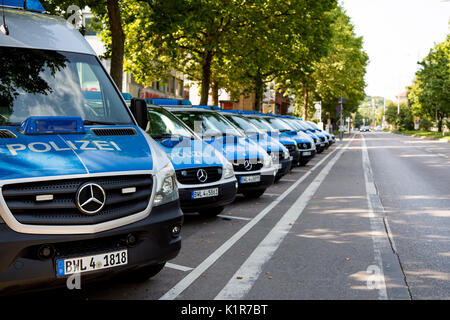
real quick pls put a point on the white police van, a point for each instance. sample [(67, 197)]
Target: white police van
[(83, 189)]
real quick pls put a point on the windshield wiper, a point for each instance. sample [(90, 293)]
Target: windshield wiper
[(93, 122), (169, 136)]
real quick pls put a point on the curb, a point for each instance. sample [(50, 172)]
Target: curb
[(423, 137)]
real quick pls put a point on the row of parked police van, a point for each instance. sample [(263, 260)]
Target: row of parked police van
[(95, 183)]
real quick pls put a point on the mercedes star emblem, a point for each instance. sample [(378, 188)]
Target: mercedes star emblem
[(247, 165), (90, 198), (202, 176)]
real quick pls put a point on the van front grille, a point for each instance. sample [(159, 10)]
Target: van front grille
[(193, 176), (55, 202)]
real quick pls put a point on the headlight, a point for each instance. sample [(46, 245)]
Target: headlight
[(267, 161), (228, 171), (286, 153), (274, 157), (166, 188), (296, 145)]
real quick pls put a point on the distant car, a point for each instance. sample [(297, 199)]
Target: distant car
[(378, 128), (365, 129)]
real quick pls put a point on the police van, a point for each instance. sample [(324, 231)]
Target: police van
[(205, 179), (84, 191), (253, 167), (305, 144), (274, 147)]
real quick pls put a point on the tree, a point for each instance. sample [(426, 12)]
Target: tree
[(430, 93), (185, 35), (110, 13), (342, 71)]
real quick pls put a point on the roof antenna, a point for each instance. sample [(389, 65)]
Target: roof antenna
[(4, 27)]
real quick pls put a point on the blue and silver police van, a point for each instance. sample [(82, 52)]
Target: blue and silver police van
[(274, 147), (205, 179), (306, 145), (331, 138), (253, 167), (83, 189)]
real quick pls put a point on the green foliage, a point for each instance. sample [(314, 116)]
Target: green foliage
[(339, 72), (429, 95), (403, 120), (425, 124)]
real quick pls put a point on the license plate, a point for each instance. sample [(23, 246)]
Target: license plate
[(198, 194), (250, 179), (307, 153), (91, 263)]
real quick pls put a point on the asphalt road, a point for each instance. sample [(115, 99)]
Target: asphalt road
[(367, 219)]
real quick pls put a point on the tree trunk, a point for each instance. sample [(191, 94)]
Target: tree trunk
[(206, 77), (117, 42), (259, 91), (215, 92), (305, 102)]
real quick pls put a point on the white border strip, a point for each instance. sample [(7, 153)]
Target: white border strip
[(376, 222), (177, 267), (209, 261), (244, 278)]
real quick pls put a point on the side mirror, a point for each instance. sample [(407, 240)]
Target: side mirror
[(138, 108)]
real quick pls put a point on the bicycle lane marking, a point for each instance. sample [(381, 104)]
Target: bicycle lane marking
[(182, 285)]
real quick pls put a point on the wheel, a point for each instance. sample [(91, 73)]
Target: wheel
[(253, 194), (211, 212), (277, 178), (144, 273)]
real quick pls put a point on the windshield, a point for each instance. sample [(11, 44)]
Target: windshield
[(300, 124), (204, 122), (292, 124), (312, 125), (165, 125), (242, 123), (261, 124), (307, 125), (52, 83), (278, 124)]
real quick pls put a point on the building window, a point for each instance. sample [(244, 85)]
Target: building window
[(89, 24)]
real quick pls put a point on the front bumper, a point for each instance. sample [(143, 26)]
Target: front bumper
[(266, 180), (285, 166), (307, 155), (21, 269), (227, 194)]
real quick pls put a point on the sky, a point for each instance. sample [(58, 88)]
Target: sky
[(397, 34)]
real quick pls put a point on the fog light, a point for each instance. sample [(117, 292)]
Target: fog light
[(176, 231), (131, 239), (46, 252)]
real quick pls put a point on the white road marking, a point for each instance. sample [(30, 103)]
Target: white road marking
[(272, 194), (242, 281), (233, 217), (210, 260), (177, 267), (379, 239), (288, 180)]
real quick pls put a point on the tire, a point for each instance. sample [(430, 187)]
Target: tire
[(144, 273), (277, 178), (253, 194), (211, 212)]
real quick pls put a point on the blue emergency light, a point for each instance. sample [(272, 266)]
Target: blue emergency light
[(52, 125), (33, 5)]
